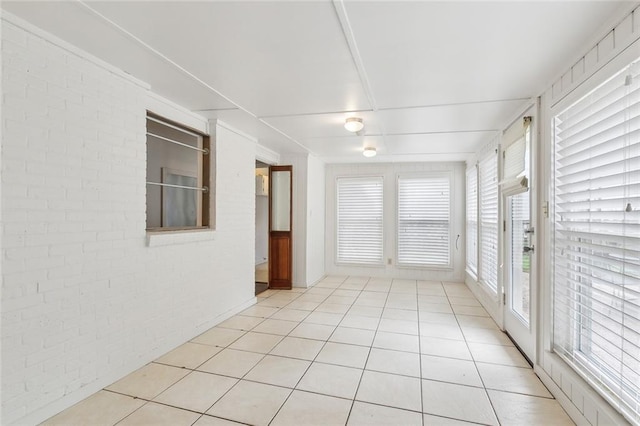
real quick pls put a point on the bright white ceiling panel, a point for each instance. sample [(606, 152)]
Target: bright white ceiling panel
[(270, 58), (426, 53), (439, 143), (462, 117), (324, 125), (445, 75), (351, 147), (75, 24)]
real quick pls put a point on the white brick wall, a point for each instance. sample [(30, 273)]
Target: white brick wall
[(84, 299), (614, 42)]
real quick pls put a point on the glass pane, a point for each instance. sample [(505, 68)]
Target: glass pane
[(520, 260), (173, 164), (179, 206), (281, 200)]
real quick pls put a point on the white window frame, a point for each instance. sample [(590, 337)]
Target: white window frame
[(483, 274), (472, 240), (426, 175)]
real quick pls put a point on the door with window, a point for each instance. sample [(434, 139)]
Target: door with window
[(519, 258), (518, 240), (280, 227)]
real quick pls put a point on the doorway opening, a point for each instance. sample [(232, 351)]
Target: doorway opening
[(262, 227)]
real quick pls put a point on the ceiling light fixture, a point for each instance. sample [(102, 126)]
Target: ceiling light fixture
[(369, 152), (353, 124)]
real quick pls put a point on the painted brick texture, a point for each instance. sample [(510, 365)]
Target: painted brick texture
[(84, 300)]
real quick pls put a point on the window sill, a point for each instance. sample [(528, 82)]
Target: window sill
[(357, 265), (471, 274), (169, 238), (423, 266), (489, 291)]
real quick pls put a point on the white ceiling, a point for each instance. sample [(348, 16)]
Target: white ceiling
[(433, 81)]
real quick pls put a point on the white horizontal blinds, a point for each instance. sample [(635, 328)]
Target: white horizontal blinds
[(597, 239), (488, 216), (359, 220), (424, 206), (472, 219)]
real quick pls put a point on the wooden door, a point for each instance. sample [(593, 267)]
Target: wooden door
[(280, 227)]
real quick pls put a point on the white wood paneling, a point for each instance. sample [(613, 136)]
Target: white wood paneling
[(288, 73)]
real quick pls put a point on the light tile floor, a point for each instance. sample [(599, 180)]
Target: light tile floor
[(348, 351)]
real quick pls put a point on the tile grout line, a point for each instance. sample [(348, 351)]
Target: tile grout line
[(310, 363), (355, 395), (420, 353), (484, 387), (229, 347)]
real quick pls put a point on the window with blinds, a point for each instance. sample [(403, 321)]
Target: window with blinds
[(359, 202), (596, 253), (424, 211), (472, 219), (488, 218)]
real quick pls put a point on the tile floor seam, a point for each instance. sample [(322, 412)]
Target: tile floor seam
[(365, 363), (308, 367), (224, 418), (218, 399), (239, 380), (522, 393), (493, 408), (389, 406), (156, 395), (420, 353), (154, 402), (197, 366), (128, 415), (355, 395)]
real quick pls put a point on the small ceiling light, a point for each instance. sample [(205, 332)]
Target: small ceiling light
[(353, 124), (369, 152)]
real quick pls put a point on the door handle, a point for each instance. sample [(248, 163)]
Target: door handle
[(526, 249)]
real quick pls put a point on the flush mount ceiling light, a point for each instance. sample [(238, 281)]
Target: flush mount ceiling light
[(353, 124), (369, 152)]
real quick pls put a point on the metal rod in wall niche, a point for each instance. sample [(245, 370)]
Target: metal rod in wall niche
[(195, 188), (164, 123), (195, 148)]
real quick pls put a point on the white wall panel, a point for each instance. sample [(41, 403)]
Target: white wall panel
[(315, 220)]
